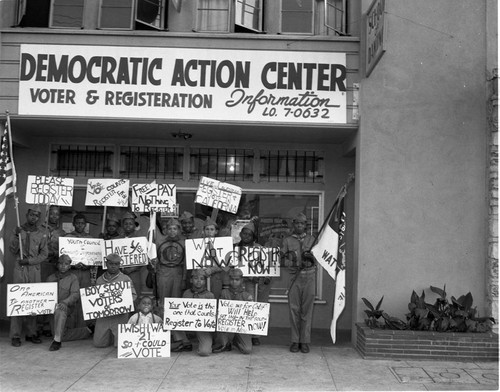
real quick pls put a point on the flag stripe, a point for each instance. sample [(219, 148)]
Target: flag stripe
[(6, 187)]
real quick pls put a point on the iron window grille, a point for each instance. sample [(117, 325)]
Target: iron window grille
[(291, 166), (81, 161), (222, 164), (151, 162)]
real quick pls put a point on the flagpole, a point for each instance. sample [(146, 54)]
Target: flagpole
[(14, 182)]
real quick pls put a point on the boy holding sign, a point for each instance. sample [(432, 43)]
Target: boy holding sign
[(198, 290), (27, 269), (68, 294), (235, 292), (106, 328)]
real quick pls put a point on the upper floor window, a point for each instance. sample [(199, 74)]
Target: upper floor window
[(125, 14), (228, 16), (319, 17), (66, 13)]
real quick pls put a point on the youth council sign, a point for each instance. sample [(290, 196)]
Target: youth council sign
[(87, 251), (168, 83)]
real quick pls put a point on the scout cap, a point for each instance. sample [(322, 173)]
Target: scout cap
[(186, 215), (63, 258), (128, 215), (250, 226), (199, 272), (300, 218), (113, 218), (35, 208), (235, 273), (173, 222), (114, 258), (210, 222)]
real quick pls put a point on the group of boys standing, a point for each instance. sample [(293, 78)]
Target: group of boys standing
[(39, 261)]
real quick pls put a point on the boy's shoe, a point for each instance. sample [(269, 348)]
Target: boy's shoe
[(33, 339), (183, 347), (16, 342), (221, 348), (55, 346), (255, 342), (304, 347), (294, 348)]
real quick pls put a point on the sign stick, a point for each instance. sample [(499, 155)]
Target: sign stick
[(104, 220), (256, 291)]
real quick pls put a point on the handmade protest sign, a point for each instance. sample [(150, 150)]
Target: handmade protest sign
[(30, 299), (154, 198), (190, 314), (257, 261), (209, 252), (107, 192), (105, 300), (243, 317), (49, 190), (133, 251), (220, 195), (143, 341), (87, 251)]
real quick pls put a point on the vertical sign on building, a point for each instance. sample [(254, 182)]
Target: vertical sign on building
[(374, 35)]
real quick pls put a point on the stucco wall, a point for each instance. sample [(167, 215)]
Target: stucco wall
[(422, 154)]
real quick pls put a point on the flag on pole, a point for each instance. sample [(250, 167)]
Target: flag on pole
[(7, 182), (329, 251)]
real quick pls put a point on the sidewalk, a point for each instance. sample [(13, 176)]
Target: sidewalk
[(78, 366)]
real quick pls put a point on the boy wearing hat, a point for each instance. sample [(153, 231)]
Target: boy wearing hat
[(189, 230), (301, 265), (81, 270), (129, 230), (248, 237), (235, 292), (68, 294), (106, 328), (27, 268), (198, 290)]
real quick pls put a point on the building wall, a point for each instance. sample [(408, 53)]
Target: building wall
[(421, 157)]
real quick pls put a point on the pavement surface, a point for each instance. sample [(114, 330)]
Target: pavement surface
[(78, 366)]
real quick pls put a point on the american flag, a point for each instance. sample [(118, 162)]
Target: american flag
[(6, 187)]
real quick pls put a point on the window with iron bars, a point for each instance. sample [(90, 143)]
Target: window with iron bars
[(221, 163), (151, 162), (291, 166), (81, 161)]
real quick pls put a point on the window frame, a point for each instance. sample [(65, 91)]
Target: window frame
[(313, 13), (131, 19), (51, 15)]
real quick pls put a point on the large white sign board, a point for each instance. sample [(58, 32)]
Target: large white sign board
[(29, 299), (190, 314), (49, 190), (243, 86), (143, 341), (106, 300), (209, 252)]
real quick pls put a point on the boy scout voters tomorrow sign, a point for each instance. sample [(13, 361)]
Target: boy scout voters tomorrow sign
[(183, 84)]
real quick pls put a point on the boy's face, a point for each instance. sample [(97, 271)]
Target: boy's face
[(128, 226), (187, 225), (32, 217), (54, 216), (299, 227), (63, 266), (198, 281), (172, 231), (80, 225), (113, 267), (210, 231), (146, 305), (112, 227), (235, 281), (246, 236)]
